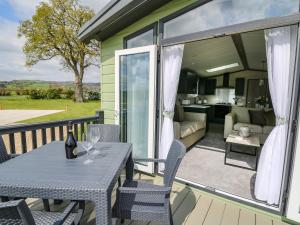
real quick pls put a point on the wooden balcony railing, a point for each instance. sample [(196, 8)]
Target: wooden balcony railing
[(25, 137)]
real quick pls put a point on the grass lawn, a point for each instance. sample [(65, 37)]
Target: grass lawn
[(72, 109)]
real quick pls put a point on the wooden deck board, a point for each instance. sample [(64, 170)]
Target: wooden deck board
[(215, 213), (200, 211), (263, 220), (189, 207), (186, 207), (246, 217), (231, 215)]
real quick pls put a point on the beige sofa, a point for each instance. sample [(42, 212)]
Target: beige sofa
[(239, 116), (191, 128)]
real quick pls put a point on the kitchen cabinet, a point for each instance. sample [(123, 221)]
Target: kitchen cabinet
[(188, 82), (201, 86), (210, 86), (239, 86)]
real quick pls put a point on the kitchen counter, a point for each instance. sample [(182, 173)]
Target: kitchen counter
[(197, 106)]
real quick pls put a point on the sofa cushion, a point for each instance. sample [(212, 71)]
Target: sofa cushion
[(189, 127), (267, 129), (270, 118), (253, 128), (242, 114), (179, 113), (257, 117)]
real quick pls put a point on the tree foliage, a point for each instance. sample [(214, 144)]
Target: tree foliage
[(52, 32)]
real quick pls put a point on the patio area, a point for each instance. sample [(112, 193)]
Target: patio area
[(190, 207)]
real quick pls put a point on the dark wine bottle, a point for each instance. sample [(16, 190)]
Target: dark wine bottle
[(70, 144)]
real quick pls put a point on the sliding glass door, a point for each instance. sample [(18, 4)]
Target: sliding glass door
[(135, 100)]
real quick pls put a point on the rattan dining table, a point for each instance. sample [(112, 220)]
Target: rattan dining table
[(46, 173)]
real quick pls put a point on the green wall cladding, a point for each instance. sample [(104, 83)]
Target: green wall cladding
[(109, 46)]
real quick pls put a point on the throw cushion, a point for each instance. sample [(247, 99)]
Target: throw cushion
[(178, 113), (257, 117), (270, 118)]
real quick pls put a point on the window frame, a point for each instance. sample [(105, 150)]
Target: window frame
[(249, 26), (216, 32), (180, 12), (153, 26)]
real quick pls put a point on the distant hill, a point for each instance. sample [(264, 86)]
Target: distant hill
[(39, 84)]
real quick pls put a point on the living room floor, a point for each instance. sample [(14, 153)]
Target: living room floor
[(204, 164)]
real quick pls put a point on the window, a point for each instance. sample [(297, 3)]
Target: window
[(221, 13), (144, 37)]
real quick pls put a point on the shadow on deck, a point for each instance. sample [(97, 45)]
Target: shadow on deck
[(189, 207)]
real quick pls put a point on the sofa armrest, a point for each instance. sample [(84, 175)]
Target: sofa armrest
[(176, 128), (194, 116), (230, 120)]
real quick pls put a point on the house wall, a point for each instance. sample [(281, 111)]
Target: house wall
[(109, 46)]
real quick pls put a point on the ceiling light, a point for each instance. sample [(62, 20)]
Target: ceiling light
[(222, 67)]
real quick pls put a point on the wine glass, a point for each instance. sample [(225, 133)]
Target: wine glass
[(94, 134), (87, 146)]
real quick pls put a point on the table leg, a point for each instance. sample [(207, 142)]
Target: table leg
[(129, 168), (103, 209), (227, 150)]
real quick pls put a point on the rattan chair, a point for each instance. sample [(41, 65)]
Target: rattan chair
[(18, 213), (108, 132), (137, 200)]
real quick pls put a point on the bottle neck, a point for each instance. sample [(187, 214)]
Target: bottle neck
[(70, 129)]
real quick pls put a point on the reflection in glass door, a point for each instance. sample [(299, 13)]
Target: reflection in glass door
[(135, 100)]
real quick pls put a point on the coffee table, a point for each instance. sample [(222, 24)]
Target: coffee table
[(251, 141)]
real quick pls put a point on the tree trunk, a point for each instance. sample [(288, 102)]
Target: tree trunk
[(78, 89)]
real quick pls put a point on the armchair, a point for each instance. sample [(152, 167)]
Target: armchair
[(138, 200)]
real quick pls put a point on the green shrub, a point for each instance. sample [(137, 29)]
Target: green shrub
[(5, 92), (69, 94), (22, 91), (37, 94), (93, 95), (53, 93)]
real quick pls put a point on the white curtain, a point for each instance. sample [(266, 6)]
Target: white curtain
[(172, 59), (280, 43)]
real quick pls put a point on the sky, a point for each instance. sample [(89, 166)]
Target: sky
[(12, 59)]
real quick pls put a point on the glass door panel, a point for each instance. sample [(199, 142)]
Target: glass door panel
[(135, 101)]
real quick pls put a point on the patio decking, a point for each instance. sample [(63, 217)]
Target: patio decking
[(192, 207)]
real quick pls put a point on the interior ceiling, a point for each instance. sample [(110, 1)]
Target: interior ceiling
[(247, 49)]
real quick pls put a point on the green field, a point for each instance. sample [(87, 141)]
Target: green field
[(72, 109)]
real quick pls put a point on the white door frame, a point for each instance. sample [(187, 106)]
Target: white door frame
[(152, 50)]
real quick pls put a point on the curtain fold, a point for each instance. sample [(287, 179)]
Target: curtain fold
[(279, 48), (172, 59)]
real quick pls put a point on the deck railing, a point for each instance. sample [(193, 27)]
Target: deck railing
[(47, 131)]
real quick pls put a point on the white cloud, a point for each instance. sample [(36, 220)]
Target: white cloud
[(12, 59), (25, 8)]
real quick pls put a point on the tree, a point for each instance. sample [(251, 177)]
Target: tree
[(52, 33)]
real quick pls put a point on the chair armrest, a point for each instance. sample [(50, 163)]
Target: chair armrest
[(133, 190), (176, 128), (149, 160), (193, 116), (230, 120), (65, 214)]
